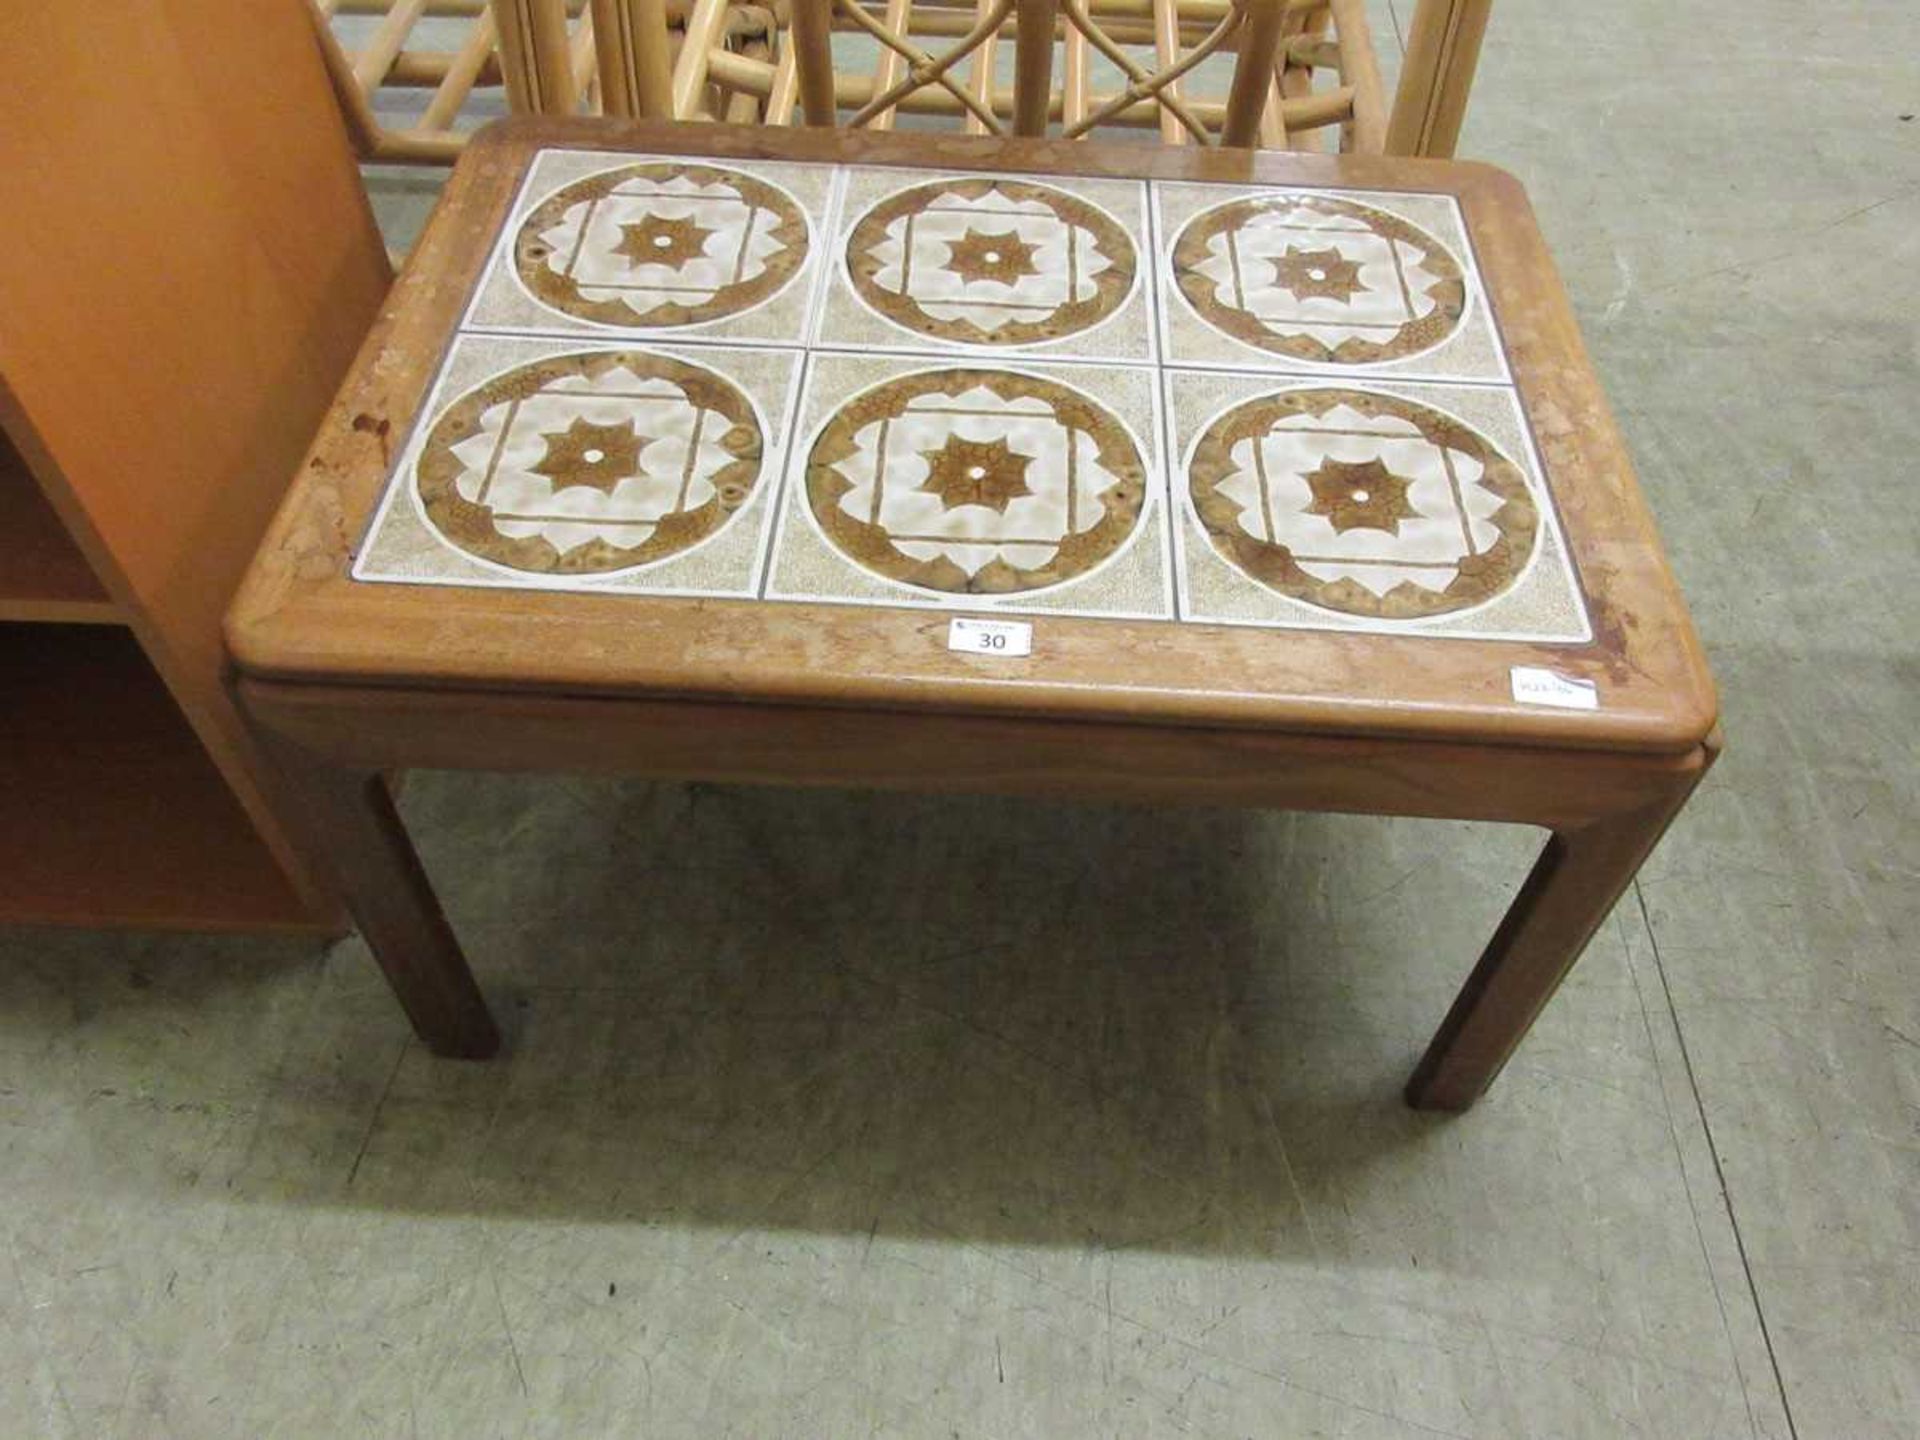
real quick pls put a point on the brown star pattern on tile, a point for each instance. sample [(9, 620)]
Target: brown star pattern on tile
[(1002, 258), (600, 456), (976, 472), (1317, 274), (1362, 496), (659, 241)]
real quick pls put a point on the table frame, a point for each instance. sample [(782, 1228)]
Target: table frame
[(346, 682)]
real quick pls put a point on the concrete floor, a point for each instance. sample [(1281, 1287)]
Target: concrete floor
[(823, 1117)]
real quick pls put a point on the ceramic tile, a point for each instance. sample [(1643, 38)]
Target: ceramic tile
[(989, 264), (977, 488), (554, 465), (658, 245), (982, 427), (1393, 508), (1330, 281)]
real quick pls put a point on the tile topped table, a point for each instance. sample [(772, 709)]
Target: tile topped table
[(678, 449)]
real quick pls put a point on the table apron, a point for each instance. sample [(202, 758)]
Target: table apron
[(393, 729)]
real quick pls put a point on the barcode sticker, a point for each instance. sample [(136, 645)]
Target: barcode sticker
[(1542, 687), (990, 637)]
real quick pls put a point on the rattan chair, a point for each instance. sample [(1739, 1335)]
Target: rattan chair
[(551, 57), (1303, 68)]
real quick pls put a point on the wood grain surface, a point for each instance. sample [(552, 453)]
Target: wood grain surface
[(300, 617)]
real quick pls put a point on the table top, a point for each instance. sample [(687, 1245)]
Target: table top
[(1278, 440)]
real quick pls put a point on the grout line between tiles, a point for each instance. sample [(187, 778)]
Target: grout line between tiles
[(777, 526), (1713, 1150), (1163, 400)]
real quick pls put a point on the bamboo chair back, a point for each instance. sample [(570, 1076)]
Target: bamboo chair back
[(1302, 69)]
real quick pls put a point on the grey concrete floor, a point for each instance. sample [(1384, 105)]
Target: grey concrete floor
[(832, 1114)]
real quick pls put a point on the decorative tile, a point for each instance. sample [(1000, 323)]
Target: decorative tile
[(659, 246), (975, 486), (556, 465), (1348, 282), (954, 400), (1358, 505), (990, 265)]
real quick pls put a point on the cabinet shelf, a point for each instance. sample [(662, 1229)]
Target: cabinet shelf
[(178, 317), (43, 575), (111, 811)]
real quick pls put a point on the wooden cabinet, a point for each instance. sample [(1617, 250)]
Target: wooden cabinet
[(190, 266)]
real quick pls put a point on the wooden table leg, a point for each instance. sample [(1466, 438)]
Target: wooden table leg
[(1573, 887), (354, 826)]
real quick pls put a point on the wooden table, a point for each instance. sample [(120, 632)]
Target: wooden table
[(1306, 497)]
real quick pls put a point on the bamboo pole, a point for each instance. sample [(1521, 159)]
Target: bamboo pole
[(705, 25), (535, 57), (636, 71), (583, 58), (462, 74), (1033, 66), (980, 73), (886, 72), (420, 147), (1252, 73), (1166, 47), (1360, 68), (924, 69), (852, 91), (426, 69), (1436, 76), (1159, 88), (354, 109), (371, 64), (1073, 88), (812, 41), (784, 86), (1304, 24), (437, 8), (941, 24)]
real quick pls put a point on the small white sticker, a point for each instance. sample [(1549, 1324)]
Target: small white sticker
[(1542, 687), (990, 637)]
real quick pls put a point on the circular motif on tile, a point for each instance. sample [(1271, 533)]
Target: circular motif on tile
[(582, 464), (661, 244), (990, 261), (980, 482), (1319, 279), (1363, 503)]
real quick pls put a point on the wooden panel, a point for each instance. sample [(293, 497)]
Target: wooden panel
[(200, 270), (43, 575), (390, 727), (110, 811)]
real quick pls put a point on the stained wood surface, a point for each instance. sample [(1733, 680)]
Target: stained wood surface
[(111, 812), (394, 727), (192, 268), (43, 575), (300, 617)]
